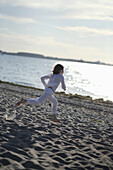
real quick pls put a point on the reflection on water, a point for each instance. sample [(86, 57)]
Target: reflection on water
[(81, 78)]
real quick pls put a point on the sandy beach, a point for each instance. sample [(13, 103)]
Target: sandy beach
[(29, 139)]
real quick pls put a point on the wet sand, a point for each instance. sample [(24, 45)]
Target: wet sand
[(29, 139)]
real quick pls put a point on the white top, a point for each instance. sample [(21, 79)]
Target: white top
[(54, 81)]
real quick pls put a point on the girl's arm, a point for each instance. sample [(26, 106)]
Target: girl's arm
[(63, 83), (44, 78)]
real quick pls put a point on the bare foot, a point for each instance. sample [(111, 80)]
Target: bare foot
[(21, 101), (55, 119)]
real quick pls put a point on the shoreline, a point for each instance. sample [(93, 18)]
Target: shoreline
[(97, 100), (34, 55), (29, 139)]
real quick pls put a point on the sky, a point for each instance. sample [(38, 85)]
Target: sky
[(75, 29)]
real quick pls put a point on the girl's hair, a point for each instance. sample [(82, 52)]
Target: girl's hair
[(57, 69)]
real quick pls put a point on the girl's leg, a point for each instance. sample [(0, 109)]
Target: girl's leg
[(36, 101), (39, 100), (54, 103)]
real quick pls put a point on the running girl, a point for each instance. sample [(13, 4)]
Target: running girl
[(50, 87)]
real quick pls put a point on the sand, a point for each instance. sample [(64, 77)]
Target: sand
[(29, 139)]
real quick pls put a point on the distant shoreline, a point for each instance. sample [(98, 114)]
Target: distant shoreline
[(25, 54), (71, 96)]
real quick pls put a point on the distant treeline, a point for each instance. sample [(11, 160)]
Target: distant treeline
[(26, 54)]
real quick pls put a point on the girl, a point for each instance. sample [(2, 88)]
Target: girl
[(50, 87)]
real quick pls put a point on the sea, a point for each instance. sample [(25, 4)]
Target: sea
[(84, 79)]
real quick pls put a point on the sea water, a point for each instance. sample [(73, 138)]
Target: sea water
[(81, 78)]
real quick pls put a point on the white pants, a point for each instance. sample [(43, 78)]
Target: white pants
[(47, 95)]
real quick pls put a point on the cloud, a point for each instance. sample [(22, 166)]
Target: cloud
[(35, 39), (86, 31), (69, 9), (48, 46), (88, 16), (33, 3), (4, 29), (61, 4), (17, 19)]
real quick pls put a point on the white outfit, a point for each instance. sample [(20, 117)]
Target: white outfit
[(54, 81)]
